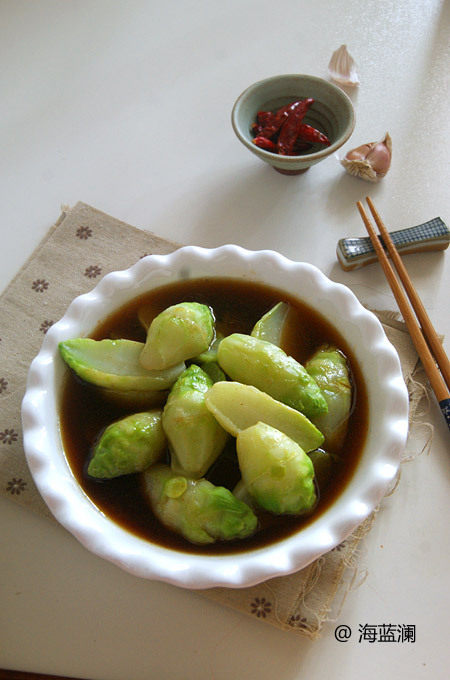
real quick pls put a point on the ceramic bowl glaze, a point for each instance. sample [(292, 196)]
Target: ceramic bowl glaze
[(332, 113), (377, 466)]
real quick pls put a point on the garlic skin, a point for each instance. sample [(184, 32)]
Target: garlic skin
[(369, 161), (342, 68)]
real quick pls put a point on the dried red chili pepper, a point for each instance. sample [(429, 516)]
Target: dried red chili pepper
[(274, 124), (270, 130), (290, 127), (265, 117), (284, 132), (309, 134), (265, 143)]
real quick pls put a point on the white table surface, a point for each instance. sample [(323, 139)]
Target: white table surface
[(126, 106)]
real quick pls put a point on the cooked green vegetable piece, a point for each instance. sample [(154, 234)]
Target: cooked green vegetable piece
[(114, 364), (178, 333), (242, 494), (196, 509), (211, 353), (323, 462), (276, 472), (135, 399), (329, 369), (214, 371), (238, 406), (129, 445), (270, 327), (195, 436), (259, 363)]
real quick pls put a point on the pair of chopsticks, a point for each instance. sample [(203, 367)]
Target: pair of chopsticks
[(424, 337)]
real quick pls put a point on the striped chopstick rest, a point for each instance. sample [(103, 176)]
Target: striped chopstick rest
[(353, 253)]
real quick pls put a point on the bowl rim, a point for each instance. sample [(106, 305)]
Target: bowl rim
[(77, 513), (291, 160)]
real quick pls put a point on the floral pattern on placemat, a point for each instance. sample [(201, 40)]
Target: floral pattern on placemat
[(83, 232), (16, 486), (40, 285), (297, 621), (45, 325), (8, 436), (92, 271), (260, 607)]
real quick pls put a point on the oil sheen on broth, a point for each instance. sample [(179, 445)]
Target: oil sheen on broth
[(237, 306)]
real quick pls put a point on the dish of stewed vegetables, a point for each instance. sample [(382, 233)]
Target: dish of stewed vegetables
[(213, 415)]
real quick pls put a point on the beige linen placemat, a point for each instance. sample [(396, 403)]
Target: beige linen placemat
[(84, 245)]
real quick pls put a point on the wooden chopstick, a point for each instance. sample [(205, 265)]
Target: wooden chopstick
[(437, 382), (424, 320)]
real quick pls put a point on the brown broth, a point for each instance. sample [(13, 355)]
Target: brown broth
[(237, 306)]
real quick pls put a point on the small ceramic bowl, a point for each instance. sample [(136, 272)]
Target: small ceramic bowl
[(332, 113), (376, 468)]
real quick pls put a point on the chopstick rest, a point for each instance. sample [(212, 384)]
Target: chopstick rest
[(353, 253)]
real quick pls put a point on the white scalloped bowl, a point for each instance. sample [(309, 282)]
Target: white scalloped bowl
[(387, 431)]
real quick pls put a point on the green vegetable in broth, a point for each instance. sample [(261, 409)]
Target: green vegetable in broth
[(178, 333), (237, 406), (270, 327), (139, 399), (276, 472), (329, 369), (114, 365), (129, 445), (279, 412), (211, 353), (195, 436), (323, 463), (196, 509), (259, 363), (241, 493), (214, 371)]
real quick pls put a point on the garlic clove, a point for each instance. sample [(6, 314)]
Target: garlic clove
[(342, 68), (360, 153), (369, 161), (380, 156)]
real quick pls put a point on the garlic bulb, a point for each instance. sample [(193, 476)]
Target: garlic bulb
[(342, 68), (369, 161)]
